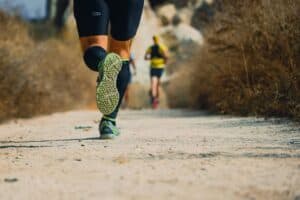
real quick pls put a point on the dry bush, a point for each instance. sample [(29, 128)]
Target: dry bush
[(250, 63), (178, 88), (38, 77)]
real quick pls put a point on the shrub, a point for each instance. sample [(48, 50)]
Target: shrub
[(250, 62), (38, 77)]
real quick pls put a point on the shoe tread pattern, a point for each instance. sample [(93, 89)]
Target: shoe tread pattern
[(107, 95)]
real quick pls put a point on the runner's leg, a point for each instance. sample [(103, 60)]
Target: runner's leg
[(157, 88), (92, 19), (154, 85), (125, 17)]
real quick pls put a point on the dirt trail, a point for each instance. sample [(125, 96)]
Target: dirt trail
[(160, 155)]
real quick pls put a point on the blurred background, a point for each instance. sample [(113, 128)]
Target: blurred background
[(232, 57)]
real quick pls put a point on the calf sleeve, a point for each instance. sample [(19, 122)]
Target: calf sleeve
[(122, 83), (93, 56)]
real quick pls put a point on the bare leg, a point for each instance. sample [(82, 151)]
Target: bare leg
[(97, 40), (120, 47), (157, 88), (154, 85)]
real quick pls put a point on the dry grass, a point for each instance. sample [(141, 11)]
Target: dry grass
[(38, 77), (250, 63)]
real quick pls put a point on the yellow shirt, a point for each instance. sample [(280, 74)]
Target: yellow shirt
[(157, 52)]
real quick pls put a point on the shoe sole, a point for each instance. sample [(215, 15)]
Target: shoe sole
[(107, 95), (107, 137)]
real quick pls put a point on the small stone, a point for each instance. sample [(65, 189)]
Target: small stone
[(121, 160), (96, 121), (10, 180), (84, 128), (61, 159)]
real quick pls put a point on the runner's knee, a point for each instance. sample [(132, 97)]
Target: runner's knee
[(93, 56)]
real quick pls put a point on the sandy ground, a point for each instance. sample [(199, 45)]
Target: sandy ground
[(160, 155)]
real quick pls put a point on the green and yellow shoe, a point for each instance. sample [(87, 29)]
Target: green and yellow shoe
[(108, 130), (107, 95)]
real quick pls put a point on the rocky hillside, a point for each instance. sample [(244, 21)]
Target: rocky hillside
[(183, 23)]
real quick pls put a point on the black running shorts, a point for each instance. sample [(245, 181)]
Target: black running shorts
[(154, 72), (94, 16)]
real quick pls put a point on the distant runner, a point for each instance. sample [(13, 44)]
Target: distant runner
[(108, 55), (158, 56), (132, 72)]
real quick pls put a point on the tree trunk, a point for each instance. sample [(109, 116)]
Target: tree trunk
[(61, 13)]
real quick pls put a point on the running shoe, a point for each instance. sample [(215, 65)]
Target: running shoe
[(155, 103), (108, 130), (107, 95)]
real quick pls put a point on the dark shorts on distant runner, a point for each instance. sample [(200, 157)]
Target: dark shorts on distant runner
[(156, 72), (94, 16)]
